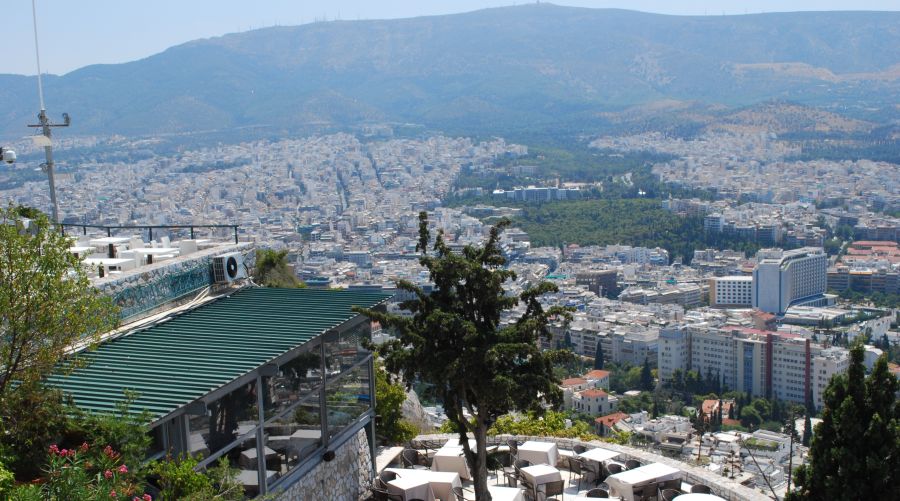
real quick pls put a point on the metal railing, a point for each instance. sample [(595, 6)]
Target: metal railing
[(109, 229)]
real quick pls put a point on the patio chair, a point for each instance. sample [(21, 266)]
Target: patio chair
[(632, 464), (529, 488), (387, 476), (511, 473), (614, 468), (597, 493), (668, 494), (579, 449), (700, 489), (379, 494), (412, 459), (554, 488), (497, 462), (458, 493), (576, 467), (513, 447)]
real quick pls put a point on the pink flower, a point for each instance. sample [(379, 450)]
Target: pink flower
[(123, 469), (84, 447), (112, 494), (53, 449), (71, 453), (108, 474), (64, 452), (146, 497)]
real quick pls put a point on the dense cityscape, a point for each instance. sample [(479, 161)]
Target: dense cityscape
[(710, 309)]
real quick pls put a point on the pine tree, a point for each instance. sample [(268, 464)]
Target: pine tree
[(807, 430), (646, 376), (598, 356), (855, 452)]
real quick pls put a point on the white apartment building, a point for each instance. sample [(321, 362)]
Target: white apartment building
[(762, 363), (785, 278), (825, 364), (674, 351), (731, 291)]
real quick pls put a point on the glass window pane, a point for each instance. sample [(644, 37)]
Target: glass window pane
[(296, 380), (294, 437), (345, 348), (226, 419), (347, 399), (243, 460)]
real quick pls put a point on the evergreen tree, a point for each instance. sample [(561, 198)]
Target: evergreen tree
[(855, 452), (598, 356), (646, 376), (454, 340), (807, 430), (731, 410)]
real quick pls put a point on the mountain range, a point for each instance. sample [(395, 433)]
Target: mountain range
[(531, 66)]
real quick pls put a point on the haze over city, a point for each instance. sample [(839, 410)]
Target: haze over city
[(74, 35)]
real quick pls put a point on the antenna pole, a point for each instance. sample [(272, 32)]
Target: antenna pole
[(37, 55), (45, 124)]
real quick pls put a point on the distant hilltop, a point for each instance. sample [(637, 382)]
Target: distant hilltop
[(490, 70)]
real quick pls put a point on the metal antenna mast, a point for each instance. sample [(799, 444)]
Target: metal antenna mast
[(45, 124)]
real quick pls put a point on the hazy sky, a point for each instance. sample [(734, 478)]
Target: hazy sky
[(78, 33)]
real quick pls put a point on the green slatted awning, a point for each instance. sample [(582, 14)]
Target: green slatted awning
[(179, 361)]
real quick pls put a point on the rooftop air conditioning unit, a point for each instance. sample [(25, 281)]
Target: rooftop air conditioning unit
[(228, 267)]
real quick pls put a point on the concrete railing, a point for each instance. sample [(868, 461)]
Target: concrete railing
[(723, 487)]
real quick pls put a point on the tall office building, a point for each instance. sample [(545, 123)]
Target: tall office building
[(785, 278)]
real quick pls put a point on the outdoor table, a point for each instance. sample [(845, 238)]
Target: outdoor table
[(698, 497), (506, 493), (155, 251), (540, 474), (81, 250), (411, 488), (110, 243), (624, 484), (442, 483), (598, 455), (250, 480), (454, 442), (249, 460), (539, 452), (453, 459)]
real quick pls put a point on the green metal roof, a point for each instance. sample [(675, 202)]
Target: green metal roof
[(176, 362)]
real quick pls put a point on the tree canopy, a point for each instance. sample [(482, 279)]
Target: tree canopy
[(454, 340), (272, 270), (855, 450), (46, 301)]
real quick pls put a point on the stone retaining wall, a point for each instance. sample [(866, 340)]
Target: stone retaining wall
[(345, 478), (721, 486)]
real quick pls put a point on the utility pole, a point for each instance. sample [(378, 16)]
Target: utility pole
[(47, 166), (45, 124)]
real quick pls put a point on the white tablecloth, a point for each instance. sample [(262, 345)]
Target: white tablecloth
[(541, 474), (452, 459), (411, 488), (598, 455), (539, 452), (696, 496), (506, 493), (442, 483), (624, 484)]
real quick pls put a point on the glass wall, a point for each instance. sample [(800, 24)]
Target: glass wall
[(296, 380), (345, 348), (296, 427), (347, 398), (228, 418)]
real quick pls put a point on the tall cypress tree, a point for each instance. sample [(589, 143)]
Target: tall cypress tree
[(646, 376), (598, 356), (855, 452)]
